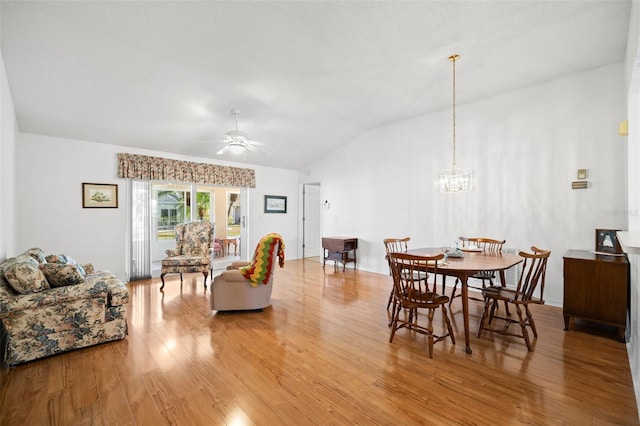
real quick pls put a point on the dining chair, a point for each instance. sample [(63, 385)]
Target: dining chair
[(398, 245), (532, 279), (413, 293), (486, 245), (394, 245)]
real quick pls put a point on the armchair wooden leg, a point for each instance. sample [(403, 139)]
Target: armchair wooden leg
[(206, 274), (162, 278)]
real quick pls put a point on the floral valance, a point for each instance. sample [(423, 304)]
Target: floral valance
[(143, 167)]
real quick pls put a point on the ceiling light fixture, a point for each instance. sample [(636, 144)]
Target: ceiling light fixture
[(237, 139), (236, 147), (237, 142), (454, 179)]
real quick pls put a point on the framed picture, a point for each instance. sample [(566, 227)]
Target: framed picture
[(99, 196), (607, 241), (275, 204)]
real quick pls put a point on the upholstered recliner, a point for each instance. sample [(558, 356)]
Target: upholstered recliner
[(248, 285), (194, 246)]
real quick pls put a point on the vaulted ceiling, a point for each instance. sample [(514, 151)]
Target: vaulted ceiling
[(307, 76)]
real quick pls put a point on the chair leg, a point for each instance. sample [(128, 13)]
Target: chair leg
[(162, 278), (532, 324), (483, 319), (453, 292), (394, 321), (390, 298), (448, 322), (523, 327), (430, 330), (492, 310), (206, 274), (181, 277)]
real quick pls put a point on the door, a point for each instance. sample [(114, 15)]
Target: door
[(312, 220)]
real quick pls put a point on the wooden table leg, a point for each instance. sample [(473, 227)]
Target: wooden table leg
[(465, 312)]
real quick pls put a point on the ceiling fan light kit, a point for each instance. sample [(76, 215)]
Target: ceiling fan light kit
[(237, 142), (455, 179)]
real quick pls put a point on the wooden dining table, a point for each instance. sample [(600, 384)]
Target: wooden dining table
[(464, 267)]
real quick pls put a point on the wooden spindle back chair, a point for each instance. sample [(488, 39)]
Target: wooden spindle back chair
[(532, 280), (413, 293), (394, 245)]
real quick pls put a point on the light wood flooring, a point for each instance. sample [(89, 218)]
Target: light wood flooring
[(319, 355)]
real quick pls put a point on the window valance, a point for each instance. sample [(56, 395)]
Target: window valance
[(144, 167)]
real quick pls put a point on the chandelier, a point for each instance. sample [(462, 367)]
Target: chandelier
[(454, 179)]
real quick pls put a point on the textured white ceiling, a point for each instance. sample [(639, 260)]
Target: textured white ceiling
[(307, 76)]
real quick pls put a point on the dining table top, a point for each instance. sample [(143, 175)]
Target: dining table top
[(471, 261)]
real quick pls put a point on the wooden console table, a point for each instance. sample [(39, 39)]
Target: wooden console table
[(596, 288), (226, 245), (340, 249)]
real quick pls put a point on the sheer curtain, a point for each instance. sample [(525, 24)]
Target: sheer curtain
[(140, 230)]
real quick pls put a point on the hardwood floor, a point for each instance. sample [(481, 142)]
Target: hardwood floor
[(319, 355)]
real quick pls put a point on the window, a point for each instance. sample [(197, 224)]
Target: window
[(174, 204)]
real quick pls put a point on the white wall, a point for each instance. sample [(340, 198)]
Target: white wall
[(8, 129), (632, 61), (50, 172), (525, 147)]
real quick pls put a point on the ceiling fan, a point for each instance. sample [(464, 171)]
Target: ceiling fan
[(237, 142)]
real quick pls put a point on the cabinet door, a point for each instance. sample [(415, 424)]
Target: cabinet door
[(595, 290)]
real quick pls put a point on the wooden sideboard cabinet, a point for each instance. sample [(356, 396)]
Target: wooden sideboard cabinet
[(596, 288), (340, 249)]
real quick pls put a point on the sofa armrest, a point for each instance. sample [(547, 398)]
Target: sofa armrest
[(231, 275), (118, 292), (172, 252), (238, 264)]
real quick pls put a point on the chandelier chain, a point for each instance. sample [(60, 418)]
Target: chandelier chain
[(453, 59)]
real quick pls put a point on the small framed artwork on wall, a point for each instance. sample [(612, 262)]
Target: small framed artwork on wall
[(99, 196), (275, 204)]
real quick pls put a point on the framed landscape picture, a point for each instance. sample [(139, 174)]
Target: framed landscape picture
[(99, 196), (275, 204)]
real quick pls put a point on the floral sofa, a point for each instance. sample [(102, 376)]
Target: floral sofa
[(50, 304)]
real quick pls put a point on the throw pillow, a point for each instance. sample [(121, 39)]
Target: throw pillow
[(64, 260), (37, 254), (60, 275), (25, 277)]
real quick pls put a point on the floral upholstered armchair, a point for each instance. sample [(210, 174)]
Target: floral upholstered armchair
[(194, 246)]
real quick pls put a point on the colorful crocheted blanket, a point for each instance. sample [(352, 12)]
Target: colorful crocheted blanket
[(259, 270)]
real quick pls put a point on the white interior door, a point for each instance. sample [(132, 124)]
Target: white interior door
[(311, 244)]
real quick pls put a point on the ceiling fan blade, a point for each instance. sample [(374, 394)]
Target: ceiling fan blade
[(223, 150), (254, 149), (256, 143)]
